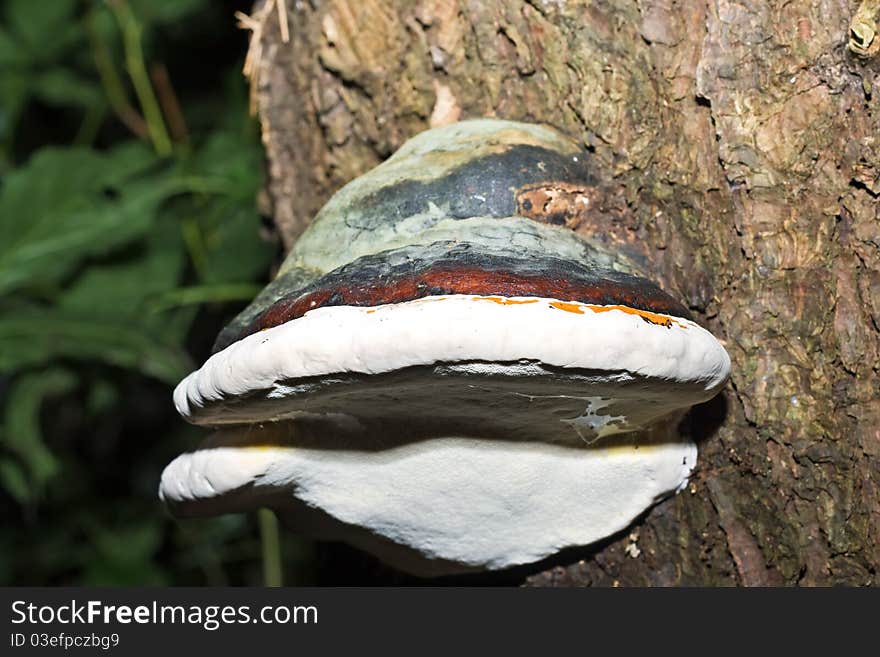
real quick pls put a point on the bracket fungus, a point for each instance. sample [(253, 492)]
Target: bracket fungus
[(444, 374)]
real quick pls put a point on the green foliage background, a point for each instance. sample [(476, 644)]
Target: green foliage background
[(128, 236)]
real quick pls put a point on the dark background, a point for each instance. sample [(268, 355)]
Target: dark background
[(128, 236)]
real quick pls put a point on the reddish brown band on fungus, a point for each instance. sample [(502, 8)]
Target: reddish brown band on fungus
[(471, 281)]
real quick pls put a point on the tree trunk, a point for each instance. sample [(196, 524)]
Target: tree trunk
[(739, 142)]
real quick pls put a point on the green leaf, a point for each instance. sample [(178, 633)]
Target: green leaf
[(69, 204), (11, 54), (40, 25), (40, 42), (61, 87), (21, 431), (37, 337), (124, 555), (134, 542), (14, 90), (223, 229), (124, 288), (230, 157), (164, 11), (200, 294), (119, 287), (14, 481), (234, 250)]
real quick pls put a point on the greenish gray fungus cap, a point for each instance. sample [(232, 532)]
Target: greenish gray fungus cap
[(445, 375)]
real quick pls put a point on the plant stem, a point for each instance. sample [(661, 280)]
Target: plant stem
[(90, 125), (137, 71), (169, 103), (272, 575), (112, 84)]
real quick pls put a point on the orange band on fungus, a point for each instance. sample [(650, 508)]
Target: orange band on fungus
[(500, 285)]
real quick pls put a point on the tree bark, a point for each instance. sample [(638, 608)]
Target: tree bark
[(739, 142)]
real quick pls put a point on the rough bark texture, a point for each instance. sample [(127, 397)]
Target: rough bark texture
[(740, 145)]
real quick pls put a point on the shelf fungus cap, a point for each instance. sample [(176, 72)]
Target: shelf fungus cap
[(452, 404)]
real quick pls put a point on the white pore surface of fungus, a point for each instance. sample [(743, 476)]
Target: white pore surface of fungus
[(479, 503), (455, 328), (558, 478)]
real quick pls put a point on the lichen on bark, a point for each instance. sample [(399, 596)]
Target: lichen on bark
[(737, 145)]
